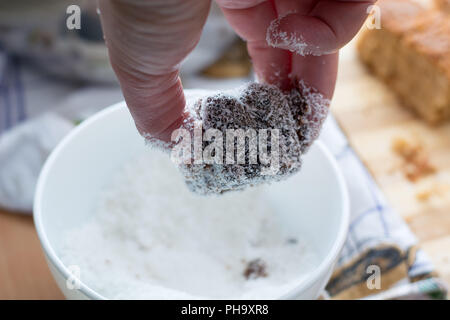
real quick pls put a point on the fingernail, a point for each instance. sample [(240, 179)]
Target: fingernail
[(277, 37)]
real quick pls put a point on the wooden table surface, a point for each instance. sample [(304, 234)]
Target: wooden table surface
[(23, 271), (371, 118)]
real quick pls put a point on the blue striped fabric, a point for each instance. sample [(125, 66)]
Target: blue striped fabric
[(12, 99)]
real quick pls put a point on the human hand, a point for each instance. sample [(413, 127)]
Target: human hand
[(291, 40), (288, 40)]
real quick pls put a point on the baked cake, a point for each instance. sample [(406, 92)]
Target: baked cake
[(411, 53), (443, 5)]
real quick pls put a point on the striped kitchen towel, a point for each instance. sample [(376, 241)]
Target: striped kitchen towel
[(12, 108)]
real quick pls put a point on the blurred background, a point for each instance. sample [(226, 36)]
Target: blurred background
[(52, 78), (36, 35)]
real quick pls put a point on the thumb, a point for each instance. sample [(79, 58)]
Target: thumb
[(147, 41), (324, 30)]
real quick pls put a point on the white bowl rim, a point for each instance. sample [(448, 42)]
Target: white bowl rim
[(88, 292)]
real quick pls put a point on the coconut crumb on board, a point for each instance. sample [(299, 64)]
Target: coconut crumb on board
[(437, 189), (424, 195), (416, 164)]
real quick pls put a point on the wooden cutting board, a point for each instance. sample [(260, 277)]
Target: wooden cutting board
[(23, 271), (373, 119)]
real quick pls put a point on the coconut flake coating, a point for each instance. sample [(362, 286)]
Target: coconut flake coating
[(298, 116)]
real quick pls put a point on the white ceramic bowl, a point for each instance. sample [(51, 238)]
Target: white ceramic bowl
[(314, 202)]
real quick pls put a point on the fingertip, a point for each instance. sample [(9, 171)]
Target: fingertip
[(157, 107), (301, 35)]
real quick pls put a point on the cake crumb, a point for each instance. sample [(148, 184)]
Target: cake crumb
[(424, 195), (416, 164), (436, 190), (255, 269)]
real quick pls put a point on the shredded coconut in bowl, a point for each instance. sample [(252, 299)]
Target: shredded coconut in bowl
[(151, 238)]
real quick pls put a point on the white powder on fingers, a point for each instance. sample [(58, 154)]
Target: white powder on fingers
[(151, 238), (290, 41), (157, 144)]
